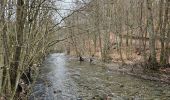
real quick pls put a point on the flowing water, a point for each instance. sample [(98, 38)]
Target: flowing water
[(63, 79)]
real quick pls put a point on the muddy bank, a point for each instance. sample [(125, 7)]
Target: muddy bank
[(137, 69)]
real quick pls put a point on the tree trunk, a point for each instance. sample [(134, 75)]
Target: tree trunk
[(19, 41), (162, 32), (97, 24), (120, 49), (6, 78), (150, 30), (167, 45)]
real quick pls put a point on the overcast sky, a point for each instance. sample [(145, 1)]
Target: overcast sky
[(66, 5), (62, 4)]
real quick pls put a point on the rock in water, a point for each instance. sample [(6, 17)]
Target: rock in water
[(81, 58), (79, 98)]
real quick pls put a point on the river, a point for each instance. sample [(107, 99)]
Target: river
[(64, 79)]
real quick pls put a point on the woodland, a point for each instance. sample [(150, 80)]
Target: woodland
[(119, 31)]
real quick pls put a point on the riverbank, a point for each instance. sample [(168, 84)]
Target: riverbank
[(136, 69), (63, 77)]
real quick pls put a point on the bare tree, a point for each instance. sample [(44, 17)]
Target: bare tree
[(150, 29)]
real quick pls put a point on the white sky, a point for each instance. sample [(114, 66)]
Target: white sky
[(66, 5), (63, 4)]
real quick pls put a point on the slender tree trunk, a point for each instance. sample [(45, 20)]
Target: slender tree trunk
[(167, 43), (73, 40), (150, 30), (131, 39), (142, 31), (167, 51), (95, 42), (100, 44), (6, 76), (162, 32), (97, 24), (19, 41), (120, 49), (161, 2), (89, 44), (127, 30), (100, 39), (127, 35), (140, 23)]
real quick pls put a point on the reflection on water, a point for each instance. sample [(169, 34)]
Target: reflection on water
[(71, 80), (64, 87)]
